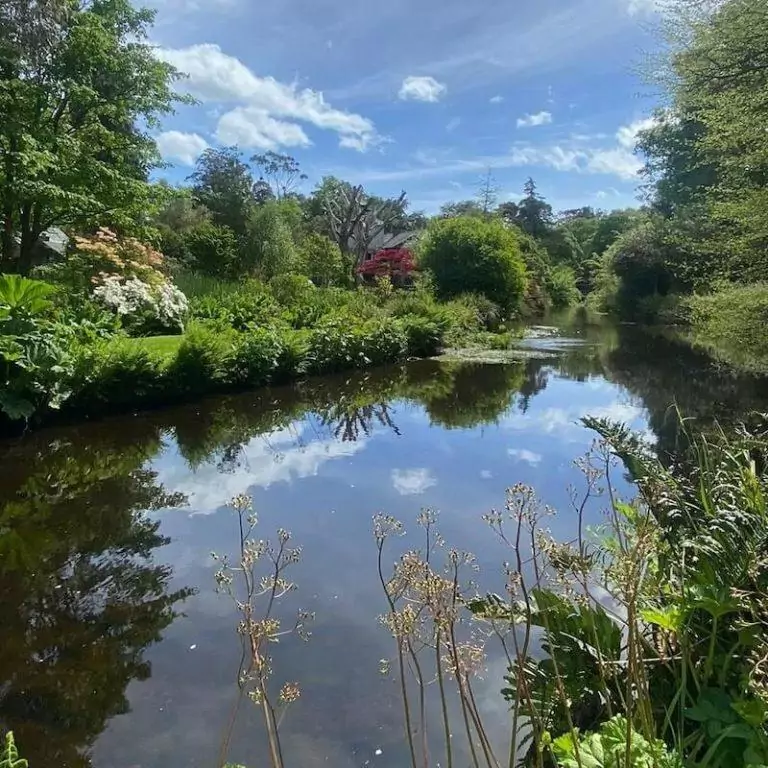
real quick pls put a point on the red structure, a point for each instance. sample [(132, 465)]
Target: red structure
[(395, 263)]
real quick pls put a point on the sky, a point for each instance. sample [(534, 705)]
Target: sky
[(418, 95)]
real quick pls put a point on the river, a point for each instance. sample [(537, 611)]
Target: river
[(118, 652)]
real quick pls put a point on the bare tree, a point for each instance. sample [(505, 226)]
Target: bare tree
[(357, 219), (282, 172), (487, 192)]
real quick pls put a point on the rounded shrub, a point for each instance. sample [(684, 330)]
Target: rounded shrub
[(474, 255)]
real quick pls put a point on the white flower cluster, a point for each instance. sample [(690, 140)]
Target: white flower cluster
[(133, 297)]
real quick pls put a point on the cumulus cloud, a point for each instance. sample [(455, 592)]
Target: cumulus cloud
[(214, 76), (268, 459), (534, 120), (411, 482), (182, 147), (496, 99), (251, 128), (627, 134), (422, 88), (524, 455)]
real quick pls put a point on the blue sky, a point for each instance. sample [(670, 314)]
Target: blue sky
[(421, 95)]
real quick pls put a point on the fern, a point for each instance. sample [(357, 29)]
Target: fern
[(9, 757)]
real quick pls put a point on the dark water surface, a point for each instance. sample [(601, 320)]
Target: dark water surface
[(115, 649)]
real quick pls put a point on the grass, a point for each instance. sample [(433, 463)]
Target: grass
[(165, 347)]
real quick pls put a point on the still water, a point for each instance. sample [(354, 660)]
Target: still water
[(116, 649)]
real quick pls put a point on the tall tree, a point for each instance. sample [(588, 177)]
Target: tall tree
[(79, 87), (534, 213), (487, 192), (282, 172), (222, 183)]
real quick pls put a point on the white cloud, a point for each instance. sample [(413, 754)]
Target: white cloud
[(636, 7), (184, 147), (265, 460), (215, 76), (422, 88), (453, 124), (486, 474), (253, 128), (496, 99), (411, 482), (627, 134), (534, 120), (522, 454)]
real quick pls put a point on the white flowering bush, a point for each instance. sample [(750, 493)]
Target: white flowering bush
[(142, 306)]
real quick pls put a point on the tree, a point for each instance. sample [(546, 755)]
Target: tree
[(82, 594), (534, 214), (319, 258), (282, 172), (472, 255), (487, 193), (461, 208), (270, 248), (222, 183), (354, 220), (213, 250), (78, 88)]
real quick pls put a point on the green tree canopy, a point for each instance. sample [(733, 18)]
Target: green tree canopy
[(222, 183), (79, 89), (475, 255)]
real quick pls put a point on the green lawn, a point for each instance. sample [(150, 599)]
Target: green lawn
[(164, 346)]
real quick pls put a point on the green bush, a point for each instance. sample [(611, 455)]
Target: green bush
[(424, 336), (336, 346), (468, 254), (247, 305), (488, 313), (258, 356), (213, 250), (204, 362), (269, 247), (115, 374), (733, 323), (562, 288), (292, 290), (321, 261)]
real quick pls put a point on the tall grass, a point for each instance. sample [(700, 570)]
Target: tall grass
[(644, 642)]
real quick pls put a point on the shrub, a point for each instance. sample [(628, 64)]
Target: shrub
[(258, 356), (562, 288), (204, 362), (240, 306), (292, 290), (424, 336), (732, 322), (476, 255), (144, 308), (320, 259), (336, 346), (487, 312), (270, 249), (113, 374), (34, 354), (213, 250)]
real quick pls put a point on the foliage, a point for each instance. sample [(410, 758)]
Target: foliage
[(393, 263), (34, 358), (731, 323), (204, 361), (320, 259), (477, 255), (615, 745), (282, 172), (222, 184), (72, 147), (212, 250), (9, 757), (562, 288), (236, 305), (270, 249)]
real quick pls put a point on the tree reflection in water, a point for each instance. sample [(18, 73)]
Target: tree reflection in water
[(80, 596)]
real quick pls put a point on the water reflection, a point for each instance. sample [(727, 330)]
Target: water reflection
[(79, 595), (87, 586)]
